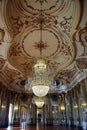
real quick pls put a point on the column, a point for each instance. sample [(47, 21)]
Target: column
[(71, 108), (65, 109), (16, 117)]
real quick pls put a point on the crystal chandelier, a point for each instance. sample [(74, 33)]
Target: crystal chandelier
[(39, 102), (40, 83)]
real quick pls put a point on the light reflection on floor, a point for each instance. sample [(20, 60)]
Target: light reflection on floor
[(41, 127), (23, 127)]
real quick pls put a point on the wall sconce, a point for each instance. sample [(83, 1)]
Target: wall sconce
[(62, 107)]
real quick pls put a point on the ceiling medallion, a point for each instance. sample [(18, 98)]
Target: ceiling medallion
[(40, 45)]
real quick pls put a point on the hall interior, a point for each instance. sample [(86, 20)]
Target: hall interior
[(43, 64)]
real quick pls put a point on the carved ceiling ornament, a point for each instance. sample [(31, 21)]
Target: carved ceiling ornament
[(24, 24), (83, 35), (59, 51), (81, 63), (13, 78), (83, 38), (2, 63), (27, 14), (2, 34), (59, 20), (11, 73)]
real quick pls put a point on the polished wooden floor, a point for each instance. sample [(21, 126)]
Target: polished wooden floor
[(41, 127)]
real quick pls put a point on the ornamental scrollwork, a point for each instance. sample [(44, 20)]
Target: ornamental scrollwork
[(15, 50), (2, 63), (81, 63), (66, 24), (2, 34), (83, 38)]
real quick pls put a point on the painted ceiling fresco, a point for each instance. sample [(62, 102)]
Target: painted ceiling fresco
[(64, 40)]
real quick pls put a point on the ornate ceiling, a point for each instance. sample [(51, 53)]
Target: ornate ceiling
[(64, 40)]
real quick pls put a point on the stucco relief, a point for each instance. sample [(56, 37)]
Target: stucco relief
[(59, 20), (2, 63), (24, 27), (2, 34)]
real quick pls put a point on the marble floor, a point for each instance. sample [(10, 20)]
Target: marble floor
[(41, 127)]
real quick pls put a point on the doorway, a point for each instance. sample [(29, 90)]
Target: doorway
[(40, 115)]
